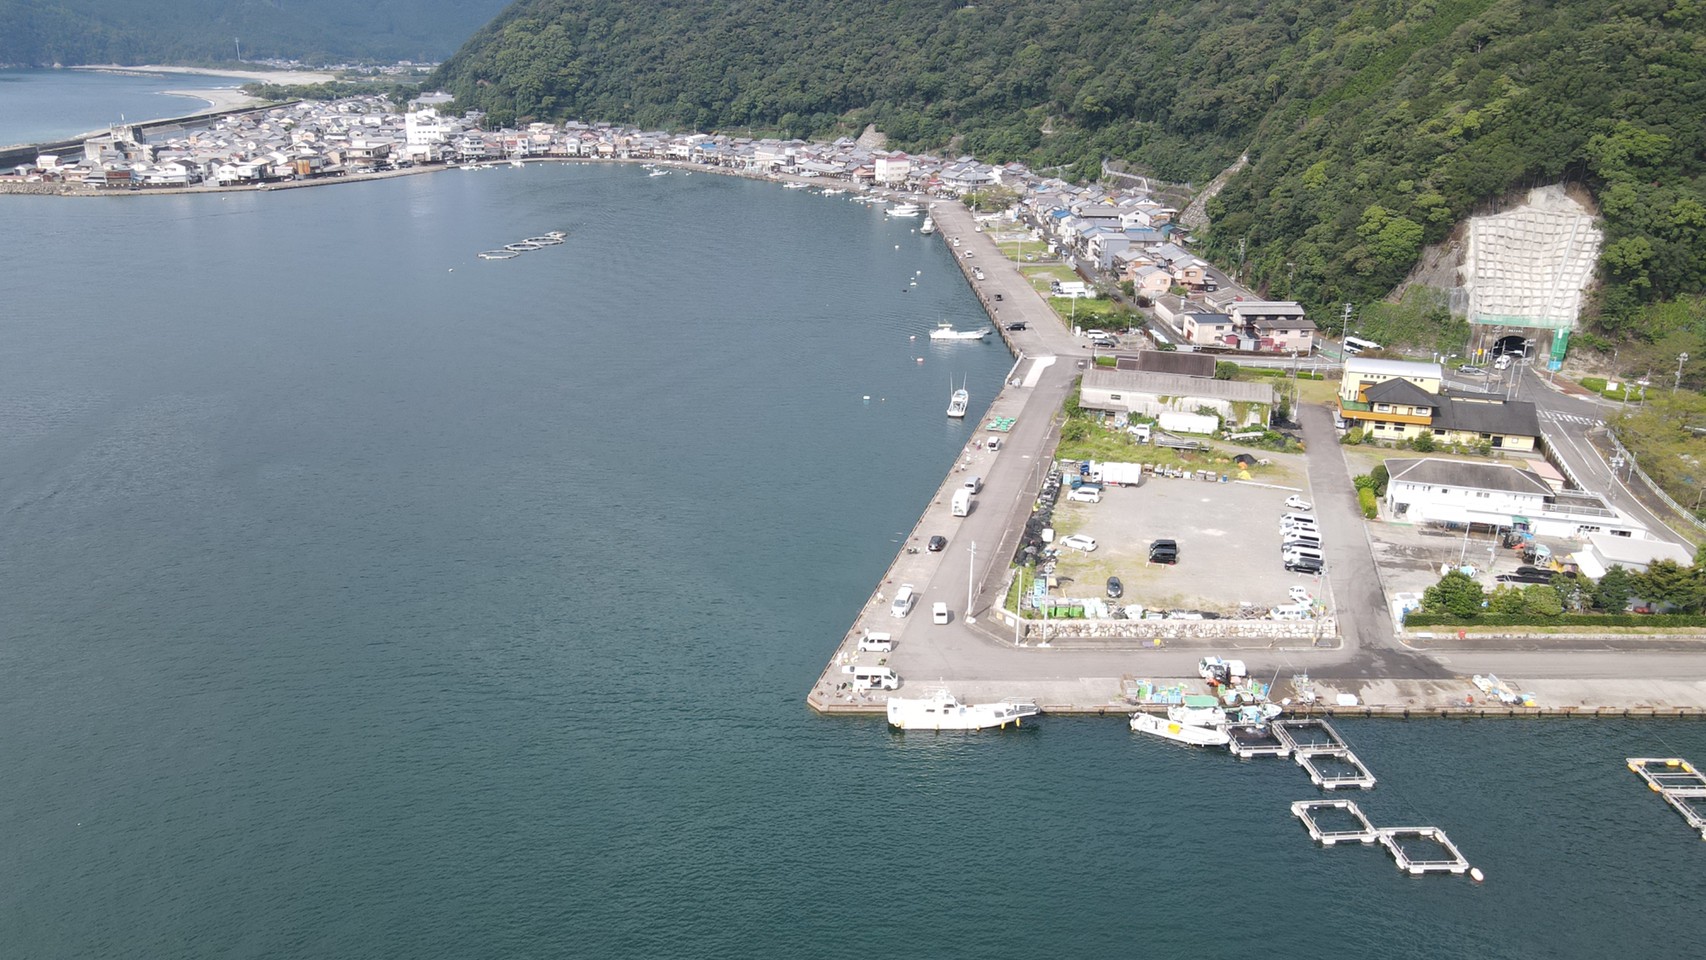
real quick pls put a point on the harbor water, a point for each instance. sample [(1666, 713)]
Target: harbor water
[(44, 105), (359, 597)]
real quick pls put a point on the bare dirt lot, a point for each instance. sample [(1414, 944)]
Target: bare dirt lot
[(1228, 536)]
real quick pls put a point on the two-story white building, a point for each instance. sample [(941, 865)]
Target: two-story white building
[(1496, 496)]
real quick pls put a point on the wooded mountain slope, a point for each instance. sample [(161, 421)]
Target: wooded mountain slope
[(44, 32), (1373, 126)]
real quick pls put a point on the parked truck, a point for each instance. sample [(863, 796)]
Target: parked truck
[(962, 502), (1122, 474)]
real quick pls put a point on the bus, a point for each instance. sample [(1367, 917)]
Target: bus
[(1356, 345)]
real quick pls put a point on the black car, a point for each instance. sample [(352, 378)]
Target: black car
[(1164, 551), (1304, 565), (1116, 589), (1021, 325), (937, 544)]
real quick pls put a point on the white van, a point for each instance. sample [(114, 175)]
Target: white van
[(975, 484), (871, 678), (1296, 552), (1088, 493), (904, 598), (1503, 362), (1291, 518), (938, 612), (874, 642), (994, 444), (1290, 611), (962, 502)]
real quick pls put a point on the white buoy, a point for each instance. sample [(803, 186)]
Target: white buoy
[(897, 246), (1476, 875), (920, 359), (913, 337)]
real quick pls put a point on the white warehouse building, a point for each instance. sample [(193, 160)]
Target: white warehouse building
[(1496, 495)]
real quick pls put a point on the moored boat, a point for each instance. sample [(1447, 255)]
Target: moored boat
[(928, 226), (1168, 728), (943, 711), (946, 331), (903, 210), (958, 402)]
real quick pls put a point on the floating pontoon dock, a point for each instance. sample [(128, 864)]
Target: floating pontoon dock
[(1392, 839), (1682, 786), (1305, 810), (1256, 740), (1323, 754)]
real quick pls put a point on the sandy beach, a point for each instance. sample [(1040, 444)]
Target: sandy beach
[(258, 76)]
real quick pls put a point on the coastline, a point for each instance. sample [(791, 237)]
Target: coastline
[(1068, 683), (259, 76)]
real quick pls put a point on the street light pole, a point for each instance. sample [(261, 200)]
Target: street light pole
[(971, 572), (1681, 359)]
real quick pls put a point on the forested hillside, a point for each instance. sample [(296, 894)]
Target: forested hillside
[(1373, 126), (44, 32)]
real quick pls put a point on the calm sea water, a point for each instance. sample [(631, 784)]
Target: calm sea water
[(40, 105), (361, 598)]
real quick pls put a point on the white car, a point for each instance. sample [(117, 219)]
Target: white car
[(1079, 541), (1300, 595), (1086, 495), (1295, 502)]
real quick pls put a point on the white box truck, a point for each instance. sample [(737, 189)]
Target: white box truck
[(962, 502)]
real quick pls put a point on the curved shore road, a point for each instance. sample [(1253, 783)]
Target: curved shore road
[(976, 657)]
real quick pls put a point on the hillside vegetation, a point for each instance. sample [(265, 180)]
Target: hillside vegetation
[(1372, 126), (45, 32)]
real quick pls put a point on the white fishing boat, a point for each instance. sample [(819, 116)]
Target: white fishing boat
[(928, 226), (1169, 729), (958, 402), (946, 331), (904, 210), (1198, 710), (943, 711), (833, 191), (795, 185), (497, 255), (658, 173)]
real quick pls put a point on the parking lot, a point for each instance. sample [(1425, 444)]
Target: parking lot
[(1228, 536), (1410, 556)]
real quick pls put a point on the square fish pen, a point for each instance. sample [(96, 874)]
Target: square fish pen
[(1401, 842), (1679, 782), (1355, 827)]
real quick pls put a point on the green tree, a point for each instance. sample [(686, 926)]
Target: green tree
[(1381, 478), (1225, 370), (1541, 600), (1456, 593), (1613, 590)]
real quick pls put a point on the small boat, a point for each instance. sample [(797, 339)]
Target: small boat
[(795, 185), (1198, 710), (1169, 729), (833, 191), (958, 402), (946, 331), (658, 173), (497, 255), (943, 711), (927, 227), (904, 210)]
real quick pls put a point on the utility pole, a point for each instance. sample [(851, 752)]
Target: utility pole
[(971, 572), (1681, 359), (239, 42)]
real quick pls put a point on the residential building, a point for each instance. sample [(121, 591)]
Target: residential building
[(1605, 551), (1398, 400)]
